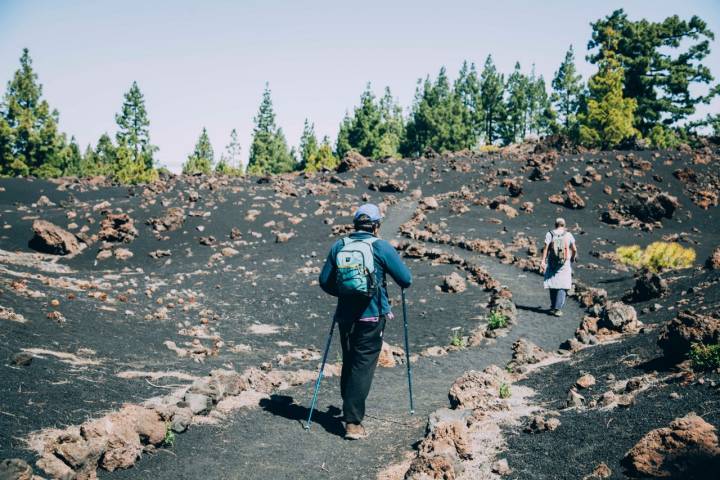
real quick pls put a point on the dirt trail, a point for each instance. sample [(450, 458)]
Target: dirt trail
[(270, 442)]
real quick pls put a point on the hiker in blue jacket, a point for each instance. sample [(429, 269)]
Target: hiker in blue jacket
[(362, 320)]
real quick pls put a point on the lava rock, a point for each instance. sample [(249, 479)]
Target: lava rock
[(677, 336), (50, 238), (688, 448)]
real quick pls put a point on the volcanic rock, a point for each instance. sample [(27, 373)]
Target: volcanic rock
[(50, 238), (454, 283), (600, 472), (479, 389), (538, 424), (390, 356), (172, 220), (123, 253), (436, 467), (352, 161), (22, 359), (526, 352), (651, 208), (586, 381), (648, 285), (572, 199), (430, 203), (713, 261), (501, 467), (15, 469), (574, 399), (619, 317), (688, 448), (677, 336), (117, 227), (390, 185)]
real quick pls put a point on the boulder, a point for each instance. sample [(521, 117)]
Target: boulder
[(436, 467), (713, 261), (390, 356), (430, 203), (677, 336), (117, 227), (505, 306), (172, 220), (618, 317), (352, 161), (390, 185), (539, 424), (15, 469), (586, 381), (479, 389), (648, 285), (454, 283), (526, 352), (572, 199), (198, 403), (652, 208), (688, 448), (49, 238), (122, 253)]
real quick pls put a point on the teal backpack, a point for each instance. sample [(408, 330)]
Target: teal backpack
[(356, 268)]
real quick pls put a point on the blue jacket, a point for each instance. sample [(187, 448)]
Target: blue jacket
[(387, 260)]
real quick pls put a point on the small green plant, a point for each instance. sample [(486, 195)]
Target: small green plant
[(497, 320), (169, 440), (705, 357), (657, 256), (457, 339), (505, 391)]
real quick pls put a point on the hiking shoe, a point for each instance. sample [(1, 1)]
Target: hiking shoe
[(551, 311), (355, 431), (558, 313)]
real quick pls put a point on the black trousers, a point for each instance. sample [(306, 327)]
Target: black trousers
[(361, 344)]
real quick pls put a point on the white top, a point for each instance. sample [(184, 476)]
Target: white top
[(559, 276)]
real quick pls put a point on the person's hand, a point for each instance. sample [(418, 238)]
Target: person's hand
[(543, 266)]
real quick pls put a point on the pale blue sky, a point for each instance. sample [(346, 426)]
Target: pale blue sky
[(205, 63)]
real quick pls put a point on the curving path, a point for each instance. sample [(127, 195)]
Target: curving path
[(270, 442)]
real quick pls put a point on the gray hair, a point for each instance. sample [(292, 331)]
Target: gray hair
[(559, 222)]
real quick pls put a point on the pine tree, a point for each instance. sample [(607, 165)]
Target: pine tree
[(542, 116), (467, 88), (567, 90), (439, 119), (609, 117), (322, 158), (230, 163), (134, 128), (269, 151), (491, 94), (72, 159), (308, 144), (392, 126), (662, 62), (202, 158), (517, 108), (101, 160), (375, 129), (30, 143)]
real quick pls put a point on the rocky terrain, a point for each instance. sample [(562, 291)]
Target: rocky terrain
[(174, 330)]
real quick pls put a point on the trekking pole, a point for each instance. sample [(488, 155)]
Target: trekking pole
[(407, 351), (320, 375)]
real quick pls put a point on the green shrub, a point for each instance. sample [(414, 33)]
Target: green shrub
[(657, 256), (705, 357), (457, 339), (505, 391), (169, 440), (497, 320)]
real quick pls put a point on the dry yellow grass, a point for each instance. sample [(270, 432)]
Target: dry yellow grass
[(657, 256)]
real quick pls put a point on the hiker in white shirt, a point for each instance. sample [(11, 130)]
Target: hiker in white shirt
[(557, 258)]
